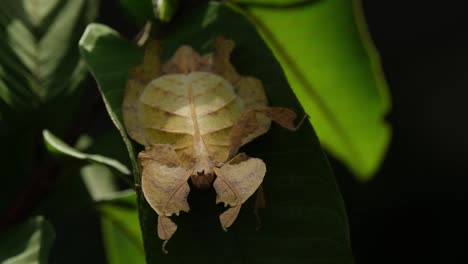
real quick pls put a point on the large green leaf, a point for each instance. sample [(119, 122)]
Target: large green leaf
[(27, 243), (39, 60), (334, 70), (120, 226), (305, 220)]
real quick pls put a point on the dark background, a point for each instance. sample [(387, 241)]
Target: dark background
[(414, 209)]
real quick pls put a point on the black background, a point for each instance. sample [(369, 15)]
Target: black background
[(414, 210)]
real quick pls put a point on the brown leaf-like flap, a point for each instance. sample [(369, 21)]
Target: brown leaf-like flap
[(256, 120), (164, 182), (221, 61), (138, 78), (245, 126), (229, 216), (282, 116), (235, 182), (160, 153), (150, 69), (251, 91), (166, 228)]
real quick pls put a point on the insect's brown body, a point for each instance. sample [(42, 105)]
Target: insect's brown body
[(192, 115), (200, 110)]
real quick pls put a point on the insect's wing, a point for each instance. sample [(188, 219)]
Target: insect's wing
[(235, 182)]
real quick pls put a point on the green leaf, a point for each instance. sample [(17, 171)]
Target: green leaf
[(39, 60), (29, 242), (54, 144), (142, 11), (111, 77), (121, 232), (99, 181), (304, 221), (164, 10), (334, 70)]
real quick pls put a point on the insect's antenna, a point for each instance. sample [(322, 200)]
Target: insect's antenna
[(163, 247)]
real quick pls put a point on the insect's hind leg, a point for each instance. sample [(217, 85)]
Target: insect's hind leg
[(259, 204)]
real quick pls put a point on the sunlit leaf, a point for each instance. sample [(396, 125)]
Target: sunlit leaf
[(121, 231), (305, 220), (164, 10), (139, 12), (57, 145), (334, 70), (29, 242), (99, 180)]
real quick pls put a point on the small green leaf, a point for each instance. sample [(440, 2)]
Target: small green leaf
[(334, 70), (120, 226), (304, 221), (99, 181), (56, 145), (29, 242), (142, 11), (164, 10)]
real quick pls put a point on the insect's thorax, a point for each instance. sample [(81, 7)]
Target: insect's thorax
[(195, 112)]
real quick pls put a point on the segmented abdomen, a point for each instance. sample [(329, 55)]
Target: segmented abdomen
[(176, 108)]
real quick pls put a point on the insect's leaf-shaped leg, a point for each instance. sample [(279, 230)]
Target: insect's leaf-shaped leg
[(221, 61), (164, 185), (235, 182), (138, 78), (250, 91), (247, 126)]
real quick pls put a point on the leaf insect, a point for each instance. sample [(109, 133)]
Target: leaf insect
[(192, 114)]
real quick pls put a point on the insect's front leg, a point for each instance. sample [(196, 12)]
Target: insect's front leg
[(164, 185)]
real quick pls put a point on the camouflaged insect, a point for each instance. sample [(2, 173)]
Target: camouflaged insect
[(193, 114)]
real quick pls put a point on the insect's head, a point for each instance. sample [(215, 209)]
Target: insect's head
[(202, 180), (186, 60)]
